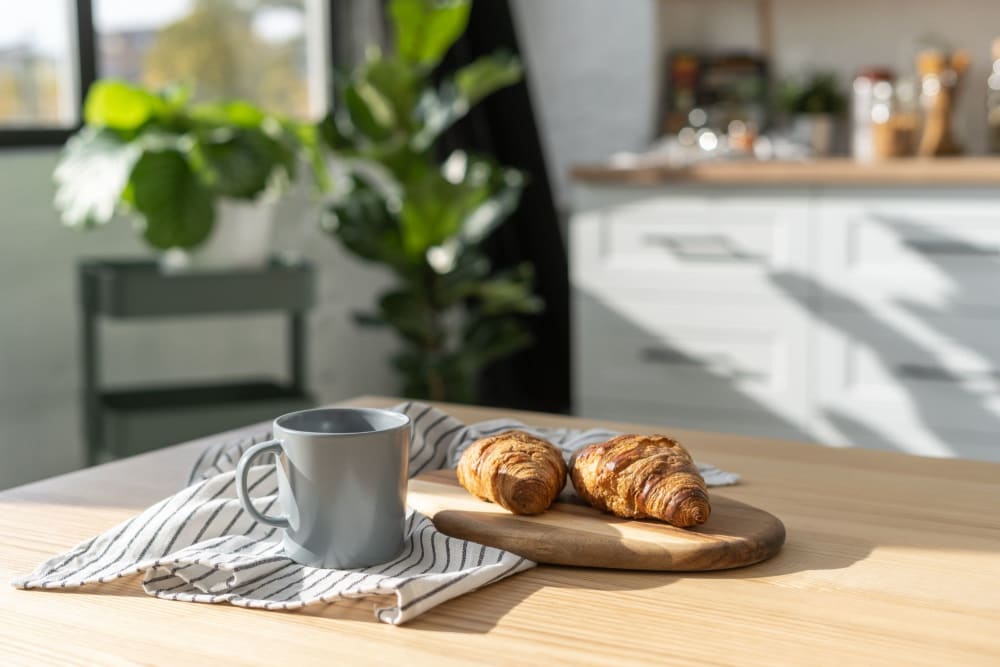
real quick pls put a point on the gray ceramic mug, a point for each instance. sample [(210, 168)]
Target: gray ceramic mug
[(341, 485)]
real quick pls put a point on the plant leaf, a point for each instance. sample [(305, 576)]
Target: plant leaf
[(370, 112), (426, 29), (240, 165), (505, 187), (361, 220), (238, 113), (437, 111), (486, 75), (434, 209), (178, 210), (396, 83), (120, 106), (405, 312), (510, 293), (91, 176), (487, 340)]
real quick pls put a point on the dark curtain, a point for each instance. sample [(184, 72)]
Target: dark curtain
[(504, 126)]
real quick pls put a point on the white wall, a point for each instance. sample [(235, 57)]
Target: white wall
[(39, 379), (847, 35), (592, 72)]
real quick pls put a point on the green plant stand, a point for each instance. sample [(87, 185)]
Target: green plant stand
[(125, 421)]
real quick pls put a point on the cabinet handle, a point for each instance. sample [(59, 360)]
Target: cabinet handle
[(933, 247), (701, 247), (719, 365), (938, 374)]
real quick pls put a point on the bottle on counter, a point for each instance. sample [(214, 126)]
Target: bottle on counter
[(940, 75)]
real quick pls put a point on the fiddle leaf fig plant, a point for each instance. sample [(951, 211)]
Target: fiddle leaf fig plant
[(166, 160), (398, 204)]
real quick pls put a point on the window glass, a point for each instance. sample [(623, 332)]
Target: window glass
[(38, 65), (249, 49)]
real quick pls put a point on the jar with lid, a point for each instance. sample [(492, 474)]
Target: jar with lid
[(871, 102)]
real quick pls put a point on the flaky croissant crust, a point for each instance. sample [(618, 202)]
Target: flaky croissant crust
[(515, 470), (642, 477)]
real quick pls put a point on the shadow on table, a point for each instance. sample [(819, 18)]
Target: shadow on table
[(478, 612)]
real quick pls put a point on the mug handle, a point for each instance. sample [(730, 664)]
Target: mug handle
[(243, 470)]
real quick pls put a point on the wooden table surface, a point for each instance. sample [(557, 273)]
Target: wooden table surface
[(890, 559)]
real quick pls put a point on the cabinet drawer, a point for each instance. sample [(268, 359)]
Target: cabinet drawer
[(930, 369), (745, 359), (690, 243), (938, 251)]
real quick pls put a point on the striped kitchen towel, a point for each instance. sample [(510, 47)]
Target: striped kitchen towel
[(199, 545)]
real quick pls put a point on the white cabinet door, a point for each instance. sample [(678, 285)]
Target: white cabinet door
[(746, 360), (907, 316), (916, 381), (937, 248), (690, 241), (867, 317)]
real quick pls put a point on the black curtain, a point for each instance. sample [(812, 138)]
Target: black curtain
[(504, 126)]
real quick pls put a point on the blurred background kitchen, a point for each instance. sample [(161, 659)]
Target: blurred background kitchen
[(770, 217)]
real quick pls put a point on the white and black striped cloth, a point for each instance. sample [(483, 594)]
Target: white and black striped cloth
[(200, 546)]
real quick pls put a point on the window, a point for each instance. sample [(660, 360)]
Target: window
[(251, 49), (39, 66), (272, 52)]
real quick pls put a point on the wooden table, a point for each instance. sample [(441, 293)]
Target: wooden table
[(890, 559)]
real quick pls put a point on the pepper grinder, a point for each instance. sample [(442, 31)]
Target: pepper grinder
[(939, 79)]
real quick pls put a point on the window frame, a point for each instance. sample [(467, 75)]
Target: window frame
[(86, 74), (86, 51)]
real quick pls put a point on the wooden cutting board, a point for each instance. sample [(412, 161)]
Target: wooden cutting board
[(736, 535)]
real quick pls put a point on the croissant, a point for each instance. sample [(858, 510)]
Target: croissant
[(642, 477), (515, 470)]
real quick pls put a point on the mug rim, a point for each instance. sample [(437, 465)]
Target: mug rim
[(405, 421)]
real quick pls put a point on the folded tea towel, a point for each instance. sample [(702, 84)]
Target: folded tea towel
[(199, 545)]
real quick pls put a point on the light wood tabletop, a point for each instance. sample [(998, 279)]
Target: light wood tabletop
[(890, 559)]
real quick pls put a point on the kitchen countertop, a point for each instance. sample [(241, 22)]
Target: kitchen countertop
[(963, 171), (890, 559)]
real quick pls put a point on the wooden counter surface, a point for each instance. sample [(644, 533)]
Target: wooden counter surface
[(967, 171), (890, 560)]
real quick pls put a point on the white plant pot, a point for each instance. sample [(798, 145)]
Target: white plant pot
[(241, 238)]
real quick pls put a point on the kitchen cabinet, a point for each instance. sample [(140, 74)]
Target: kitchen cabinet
[(847, 315)]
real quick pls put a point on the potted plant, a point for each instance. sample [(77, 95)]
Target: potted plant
[(813, 105), (424, 218), (198, 177)]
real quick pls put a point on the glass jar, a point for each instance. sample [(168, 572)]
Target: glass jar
[(871, 102)]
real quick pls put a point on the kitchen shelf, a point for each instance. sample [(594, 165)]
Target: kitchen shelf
[(129, 420), (963, 171), (138, 288)]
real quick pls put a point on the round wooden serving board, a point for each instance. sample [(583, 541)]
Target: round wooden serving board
[(736, 535)]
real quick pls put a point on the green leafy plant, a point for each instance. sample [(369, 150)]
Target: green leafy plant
[(167, 160), (815, 94), (424, 218)]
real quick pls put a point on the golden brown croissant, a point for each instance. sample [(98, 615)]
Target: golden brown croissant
[(642, 477), (515, 470)]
